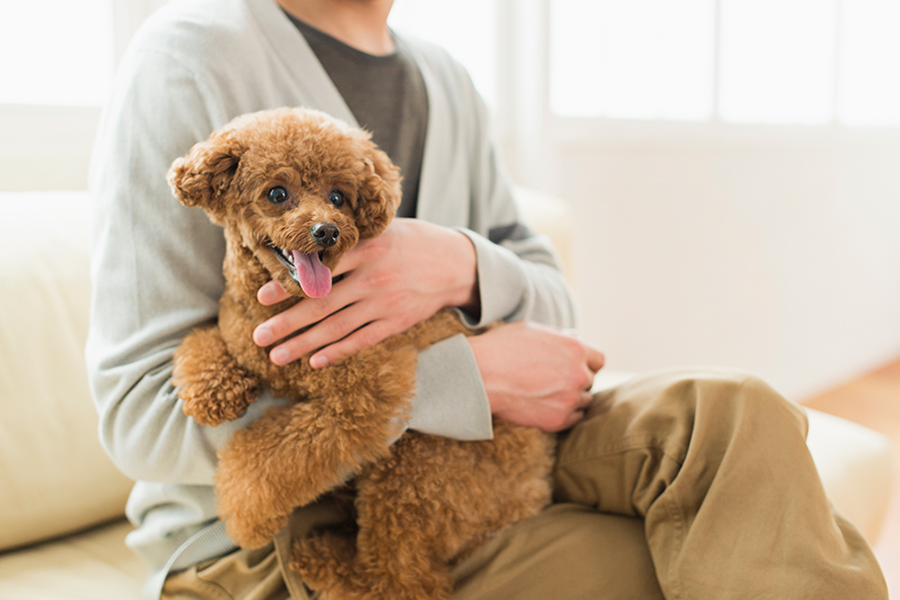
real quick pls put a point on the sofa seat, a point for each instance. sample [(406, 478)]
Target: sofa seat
[(62, 501), (91, 565)]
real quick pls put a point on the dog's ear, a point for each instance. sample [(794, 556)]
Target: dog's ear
[(379, 193), (203, 176)]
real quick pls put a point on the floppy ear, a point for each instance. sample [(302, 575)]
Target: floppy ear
[(203, 176), (379, 193)]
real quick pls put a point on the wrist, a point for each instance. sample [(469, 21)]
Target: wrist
[(464, 292), (482, 352)]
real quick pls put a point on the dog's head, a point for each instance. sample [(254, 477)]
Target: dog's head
[(297, 188)]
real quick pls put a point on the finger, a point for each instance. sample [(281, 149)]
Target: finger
[(351, 260), (595, 359), (302, 315), (584, 400), (589, 384), (589, 375), (272, 293), (363, 338), (322, 334), (572, 419)]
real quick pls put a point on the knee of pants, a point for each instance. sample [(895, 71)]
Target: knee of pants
[(678, 401), (745, 398), (668, 411)]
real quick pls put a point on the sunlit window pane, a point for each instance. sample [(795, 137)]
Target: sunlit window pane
[(465, 28), (641, 59), (869, 73), (778, 61), (55, 51)]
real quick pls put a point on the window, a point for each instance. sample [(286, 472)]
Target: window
[(56, 52), (869, 64), (465, 28), (777, 60), (741, 61), (640, 59)]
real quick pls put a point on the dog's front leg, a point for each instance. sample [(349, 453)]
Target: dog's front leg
[(293, 454), (212, 386)]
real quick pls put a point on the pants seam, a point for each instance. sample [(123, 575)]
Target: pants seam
[(677, 519)]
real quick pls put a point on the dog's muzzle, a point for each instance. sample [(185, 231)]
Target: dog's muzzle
[(325, 234)]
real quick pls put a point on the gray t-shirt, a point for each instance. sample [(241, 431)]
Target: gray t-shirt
[(387, 96)]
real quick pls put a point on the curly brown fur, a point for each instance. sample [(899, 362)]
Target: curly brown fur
[(423, 502)]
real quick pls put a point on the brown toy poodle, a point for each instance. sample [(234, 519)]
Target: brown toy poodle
[(294, 190)]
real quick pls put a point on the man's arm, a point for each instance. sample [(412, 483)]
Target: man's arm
[(157, 274)]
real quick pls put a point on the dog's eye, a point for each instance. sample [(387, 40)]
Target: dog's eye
[(336, 198), (277, 195)]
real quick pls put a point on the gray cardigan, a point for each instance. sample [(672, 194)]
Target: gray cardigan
[(156, 268)]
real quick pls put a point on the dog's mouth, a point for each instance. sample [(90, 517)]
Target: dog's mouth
[(307, 270)]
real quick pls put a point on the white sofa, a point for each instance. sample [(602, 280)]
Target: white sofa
[(62, 501)]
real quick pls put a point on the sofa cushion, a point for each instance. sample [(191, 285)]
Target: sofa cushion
[(54, 476), (91, 565)]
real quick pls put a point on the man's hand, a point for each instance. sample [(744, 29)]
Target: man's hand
[(535, 375), (391, 282)]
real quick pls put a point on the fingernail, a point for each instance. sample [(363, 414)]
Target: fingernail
[(317, 362), (266, 294), (280, 356), (263, 336)]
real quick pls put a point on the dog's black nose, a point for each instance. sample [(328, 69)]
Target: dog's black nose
[(325, 234)]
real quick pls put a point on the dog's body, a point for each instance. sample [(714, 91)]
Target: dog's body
[(294, 190)]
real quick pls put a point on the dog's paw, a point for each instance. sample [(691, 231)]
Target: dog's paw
[(248, 531), (324, 560), (212, 385), (210, 400)]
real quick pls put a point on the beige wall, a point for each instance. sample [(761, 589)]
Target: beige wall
[(776, 250)]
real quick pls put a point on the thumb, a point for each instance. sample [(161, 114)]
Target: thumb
[(271, 293), (351, 260)]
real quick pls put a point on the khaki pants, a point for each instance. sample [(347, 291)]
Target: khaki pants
[(678, 484)]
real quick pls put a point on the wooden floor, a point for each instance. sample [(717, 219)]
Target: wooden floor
[(874, 401)]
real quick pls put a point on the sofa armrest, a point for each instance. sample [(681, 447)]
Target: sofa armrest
[(856, 467), (56, 477)]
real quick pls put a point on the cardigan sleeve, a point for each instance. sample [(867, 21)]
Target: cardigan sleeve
[(156, 273), (518, 272)]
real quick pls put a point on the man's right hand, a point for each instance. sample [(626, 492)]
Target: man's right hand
[(535, 375)]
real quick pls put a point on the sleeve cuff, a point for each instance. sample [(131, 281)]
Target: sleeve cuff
[(504, 298), (450, 398)]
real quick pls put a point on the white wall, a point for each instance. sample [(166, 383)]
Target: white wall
[(46, 147), (776, 250)]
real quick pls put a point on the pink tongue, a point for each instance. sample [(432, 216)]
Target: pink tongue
[(313, 276)]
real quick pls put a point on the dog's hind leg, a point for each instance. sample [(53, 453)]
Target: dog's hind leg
[(398, 553), (435, 501), (328, 564), (211, 384)]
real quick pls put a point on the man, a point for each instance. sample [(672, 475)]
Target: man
[(716, 495)]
